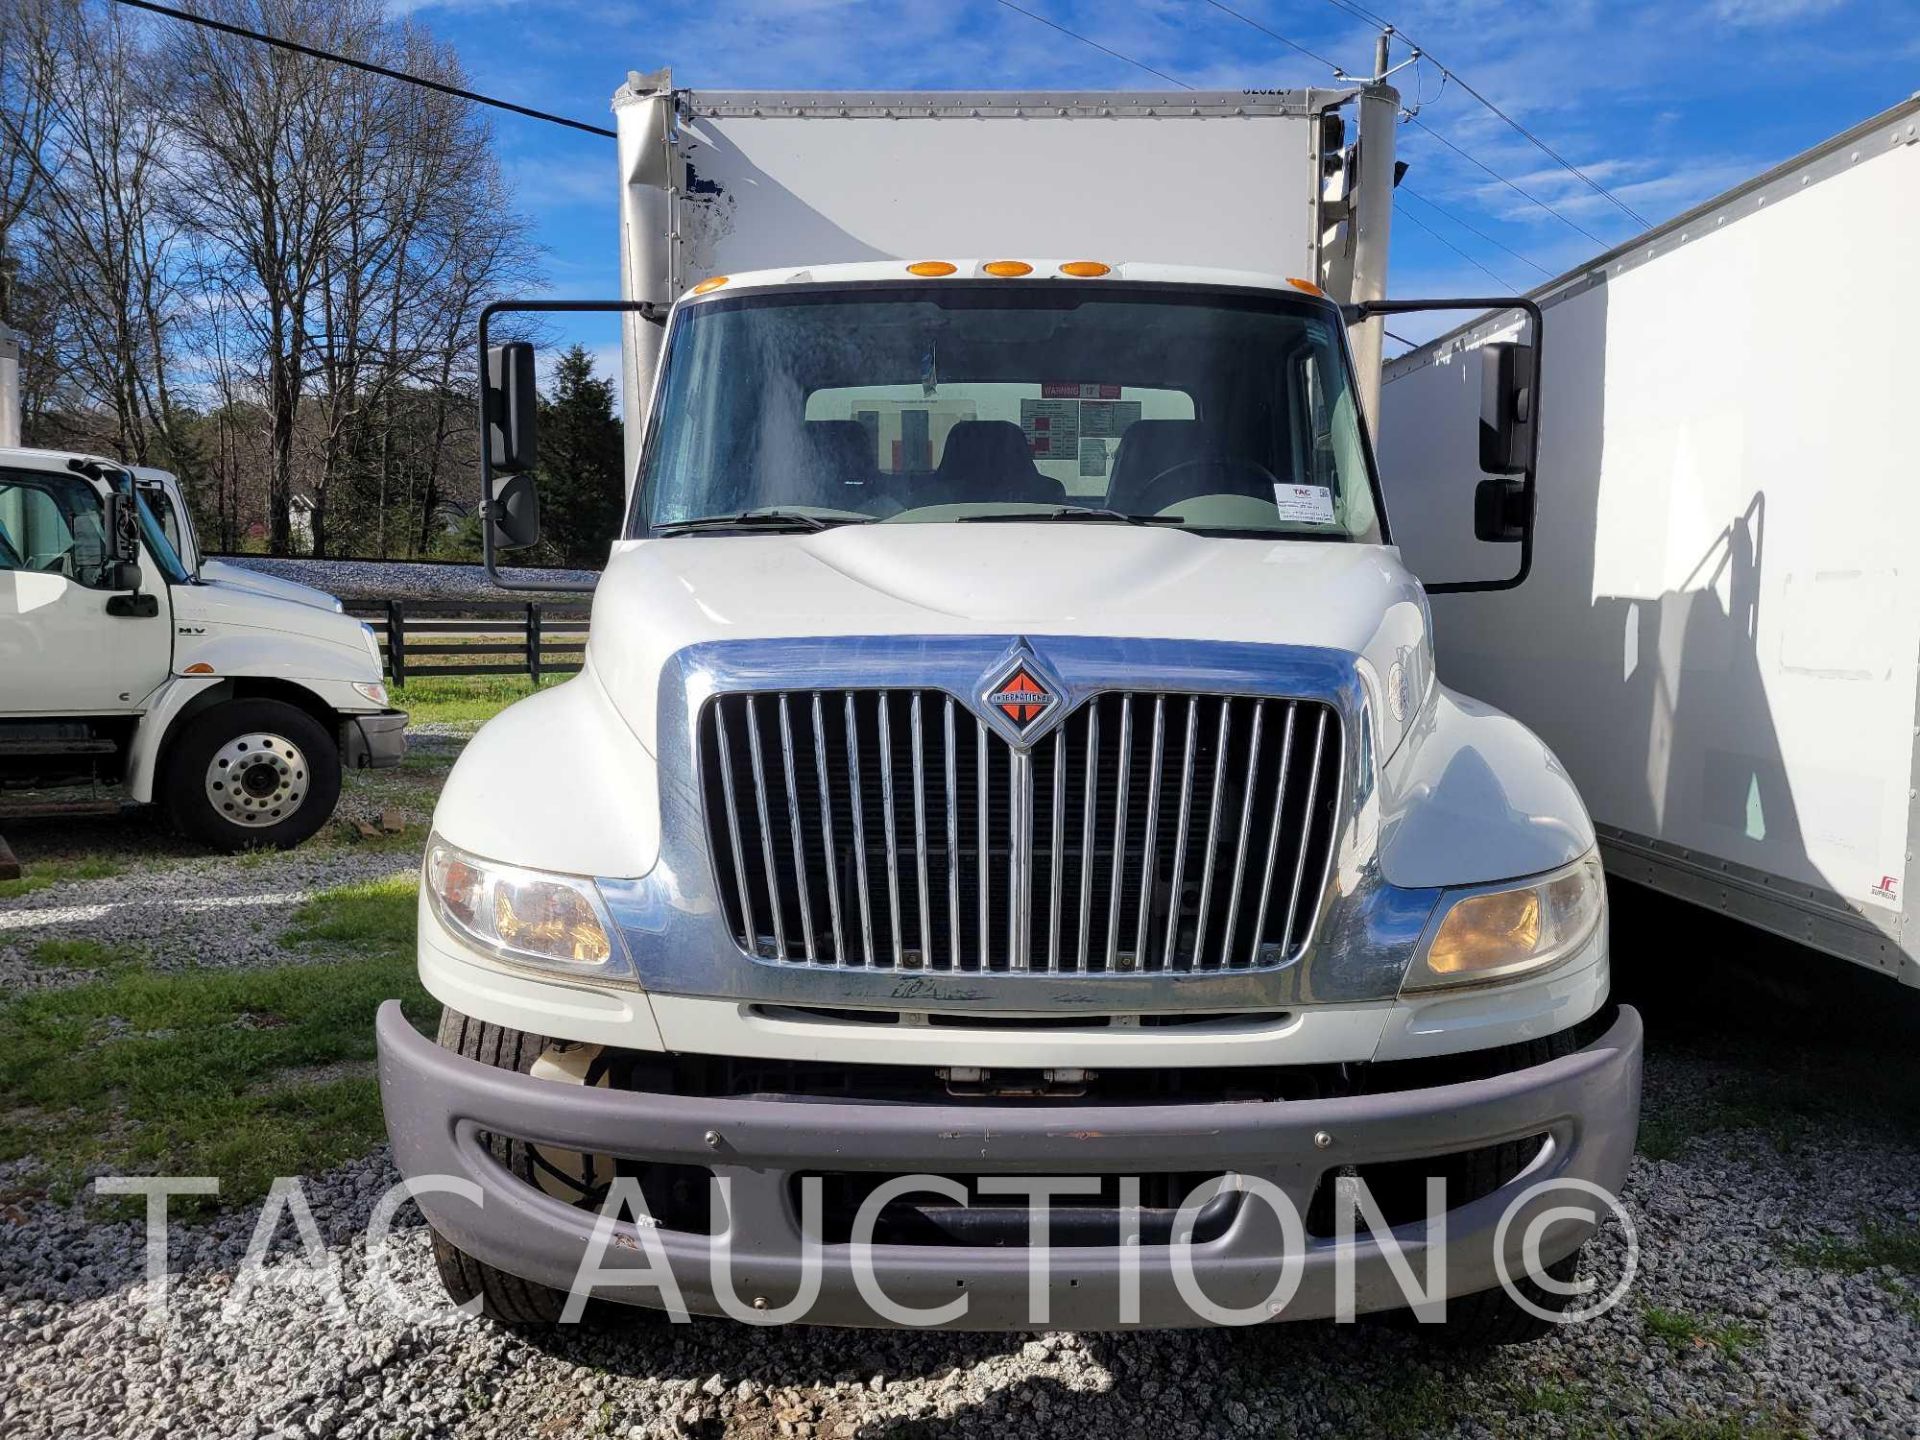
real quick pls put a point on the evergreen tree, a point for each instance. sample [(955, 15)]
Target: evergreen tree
[(581, 463)]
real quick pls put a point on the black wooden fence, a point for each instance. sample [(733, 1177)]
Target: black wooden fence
[(423, 638)]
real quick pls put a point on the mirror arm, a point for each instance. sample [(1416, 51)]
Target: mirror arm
[(1368, 309), (650, 311)]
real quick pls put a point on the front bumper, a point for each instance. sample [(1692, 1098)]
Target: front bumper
[(373, 742), (440, 1106)]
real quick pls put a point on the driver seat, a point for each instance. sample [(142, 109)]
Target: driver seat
[(1149, 448)]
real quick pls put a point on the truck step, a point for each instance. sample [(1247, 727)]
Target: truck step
[(40, 745)]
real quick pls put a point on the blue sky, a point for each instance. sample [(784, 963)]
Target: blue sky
[(1663, 104)]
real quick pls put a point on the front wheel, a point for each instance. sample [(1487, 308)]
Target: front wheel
[(248, 773)]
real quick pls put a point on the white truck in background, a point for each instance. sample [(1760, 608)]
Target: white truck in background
[(164, 496), (1009, 746), (1722, 640), (125, 679)]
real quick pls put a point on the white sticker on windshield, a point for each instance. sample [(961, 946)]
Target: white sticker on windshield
[(1312, 503)]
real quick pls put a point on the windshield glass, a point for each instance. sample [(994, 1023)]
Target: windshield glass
[(1226, 413), (161, 504)]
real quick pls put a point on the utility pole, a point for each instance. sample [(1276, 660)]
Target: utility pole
[(1370, 219)]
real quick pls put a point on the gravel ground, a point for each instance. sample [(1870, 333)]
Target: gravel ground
[(182, 907), (1828, 1355), (378, 579)]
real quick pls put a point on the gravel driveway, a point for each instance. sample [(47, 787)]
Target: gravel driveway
[(1828, 1355)]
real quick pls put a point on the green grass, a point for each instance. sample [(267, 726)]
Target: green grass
[(1877, 1245), (462, 699), (1679, 1329), (84, 955), (198, 1072), (39, 874)]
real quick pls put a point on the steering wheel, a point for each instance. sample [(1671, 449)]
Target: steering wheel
[(1237, 476)]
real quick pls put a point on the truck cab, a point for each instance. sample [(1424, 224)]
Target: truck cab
[(161, 490), (129, 680), (1009, 746)]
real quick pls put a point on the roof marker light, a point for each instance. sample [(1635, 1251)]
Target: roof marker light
[(1007, 267), (712, 282), (1085, 269), (1307, 285), (932, 268)]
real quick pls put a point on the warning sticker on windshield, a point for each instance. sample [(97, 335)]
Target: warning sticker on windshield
[(1310, 503), (1052, 428)]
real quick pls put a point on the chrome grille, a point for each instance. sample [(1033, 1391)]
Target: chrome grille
[(894, 830)]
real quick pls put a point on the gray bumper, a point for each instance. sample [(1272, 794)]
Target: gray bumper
[(438, 1103), (374, 742)]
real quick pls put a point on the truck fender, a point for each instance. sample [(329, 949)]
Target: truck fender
[(1472, 797), (558, 781), (181, 697)]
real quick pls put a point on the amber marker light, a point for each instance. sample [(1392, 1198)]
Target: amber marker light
[(1085, 269), (1007, 268), (1307, 285), (932, 269), (712, 282)]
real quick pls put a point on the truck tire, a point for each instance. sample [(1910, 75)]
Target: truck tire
[(251, 773), (506, 1299)]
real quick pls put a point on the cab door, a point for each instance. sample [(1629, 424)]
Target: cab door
[(63, 649)]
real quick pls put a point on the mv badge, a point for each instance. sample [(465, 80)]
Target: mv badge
[(1020, 696)]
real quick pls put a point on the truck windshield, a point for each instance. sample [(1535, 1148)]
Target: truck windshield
[(1223, 412)]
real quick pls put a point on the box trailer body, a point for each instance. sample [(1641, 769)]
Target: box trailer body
[(1719, 639), (721, 182), (1008, 747)]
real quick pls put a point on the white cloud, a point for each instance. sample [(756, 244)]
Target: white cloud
[(1772, 12)]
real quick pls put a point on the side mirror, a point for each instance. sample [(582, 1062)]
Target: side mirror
[(1501, 511), (123, 533), (123, 575), (512, 408), (1506, 409), (514, 513)]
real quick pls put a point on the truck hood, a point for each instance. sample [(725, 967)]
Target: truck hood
[(658, 596), (239, 577), (243, 631)]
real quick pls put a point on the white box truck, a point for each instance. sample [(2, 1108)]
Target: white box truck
[(1008, 861), (127, 679), (1720, 639)]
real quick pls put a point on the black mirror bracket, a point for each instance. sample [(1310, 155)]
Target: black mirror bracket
[(1503, 505), (510, 514)]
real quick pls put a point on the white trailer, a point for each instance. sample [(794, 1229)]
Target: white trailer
[(1719, 637)]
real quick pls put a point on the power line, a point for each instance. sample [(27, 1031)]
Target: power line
[(1414, 219), (1527, 195), (1541, 145), (370, 68), (1445, 73), (1435, 205), (1275, 34), (1075, 35)]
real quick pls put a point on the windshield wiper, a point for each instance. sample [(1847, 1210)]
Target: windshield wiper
[(1072, 512), (759, 520)]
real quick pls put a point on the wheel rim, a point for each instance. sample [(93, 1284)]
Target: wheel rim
[(257, 779)]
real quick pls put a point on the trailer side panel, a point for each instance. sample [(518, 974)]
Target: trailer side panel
[(1721, 633)]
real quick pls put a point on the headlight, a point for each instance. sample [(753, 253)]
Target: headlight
[(1498, 934), (551, 922), (371, 690)]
